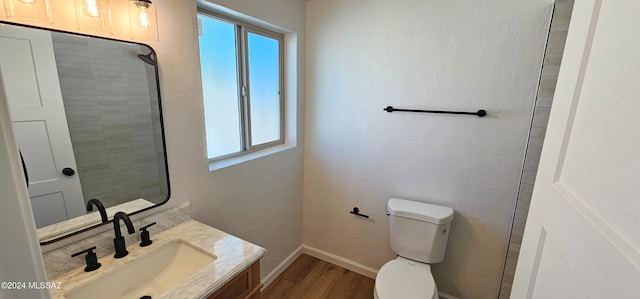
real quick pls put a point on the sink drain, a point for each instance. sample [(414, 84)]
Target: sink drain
[(145, 297)]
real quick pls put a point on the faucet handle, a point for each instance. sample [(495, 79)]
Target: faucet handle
[(91, 258), (145, 240)]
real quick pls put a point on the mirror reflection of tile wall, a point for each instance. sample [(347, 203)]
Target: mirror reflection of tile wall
[(106, 97)]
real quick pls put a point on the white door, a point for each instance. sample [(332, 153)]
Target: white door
[(32, 87), (582, 238)]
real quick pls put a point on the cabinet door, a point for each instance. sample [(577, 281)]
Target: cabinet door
[(245, 285)]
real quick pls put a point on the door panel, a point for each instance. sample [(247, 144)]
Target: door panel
[(597, 267), (559, 281), (24, 78), (48, 209), (601, 163)]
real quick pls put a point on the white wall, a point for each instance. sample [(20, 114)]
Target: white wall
[(363, 55), (261, 200)]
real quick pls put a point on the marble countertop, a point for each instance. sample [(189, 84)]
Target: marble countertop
[(233, 256)]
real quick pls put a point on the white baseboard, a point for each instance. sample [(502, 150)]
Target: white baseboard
[(340, 261), (446, 296), (280, 268)]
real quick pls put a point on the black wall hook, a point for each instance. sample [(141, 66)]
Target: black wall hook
[(356, 212)]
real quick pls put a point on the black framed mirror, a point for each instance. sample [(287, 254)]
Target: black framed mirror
[(87, 118)]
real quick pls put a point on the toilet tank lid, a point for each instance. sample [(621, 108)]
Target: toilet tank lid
[(419, 211)]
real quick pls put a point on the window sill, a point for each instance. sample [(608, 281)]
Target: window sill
[(248, 157)]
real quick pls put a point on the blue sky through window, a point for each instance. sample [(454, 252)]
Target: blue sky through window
[(264, 77), (220, 87), (220, 83)]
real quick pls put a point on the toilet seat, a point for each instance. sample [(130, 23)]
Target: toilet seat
[(407, 279)]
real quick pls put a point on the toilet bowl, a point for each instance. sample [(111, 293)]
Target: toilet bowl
[(418, 233), (406, 279)]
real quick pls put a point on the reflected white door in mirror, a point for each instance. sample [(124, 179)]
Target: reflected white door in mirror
[(40, 124)]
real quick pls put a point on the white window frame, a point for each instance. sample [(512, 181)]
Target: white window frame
[(242, 30)]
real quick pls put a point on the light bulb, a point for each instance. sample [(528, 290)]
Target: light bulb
[(143, 18), (92, 8)]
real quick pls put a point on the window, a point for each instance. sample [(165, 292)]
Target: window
[(242, 86)]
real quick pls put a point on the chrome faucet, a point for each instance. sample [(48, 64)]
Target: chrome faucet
[(118, 241), (95, 202)]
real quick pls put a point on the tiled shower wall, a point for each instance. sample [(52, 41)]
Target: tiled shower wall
[(550, 67), (111, 119)]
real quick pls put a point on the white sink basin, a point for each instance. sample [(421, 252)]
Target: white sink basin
[(150, 275)]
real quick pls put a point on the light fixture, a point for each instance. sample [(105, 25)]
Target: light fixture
[(143, 19), (28, 9), (93, 15), (142, 13)]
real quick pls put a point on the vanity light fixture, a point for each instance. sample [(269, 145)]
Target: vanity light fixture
[(142, 13), (28, 9), (93, 15), (143, 19)]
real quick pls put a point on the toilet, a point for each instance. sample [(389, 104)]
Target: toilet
[(419, 234)]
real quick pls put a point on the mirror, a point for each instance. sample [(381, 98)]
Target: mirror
[(87, 119)]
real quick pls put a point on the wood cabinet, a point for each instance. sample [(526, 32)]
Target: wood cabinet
[(245, 285)]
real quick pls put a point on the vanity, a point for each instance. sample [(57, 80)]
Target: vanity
[(190, 260)]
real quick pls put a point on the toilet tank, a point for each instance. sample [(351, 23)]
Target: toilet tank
[(419, 231)]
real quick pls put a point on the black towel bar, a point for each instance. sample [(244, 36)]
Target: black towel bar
[(479, 113)]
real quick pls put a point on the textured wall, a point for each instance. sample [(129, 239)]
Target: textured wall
[(549, 77), (260, 200), (364, 55)]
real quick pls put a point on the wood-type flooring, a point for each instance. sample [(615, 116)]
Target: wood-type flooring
[(311, 278)]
